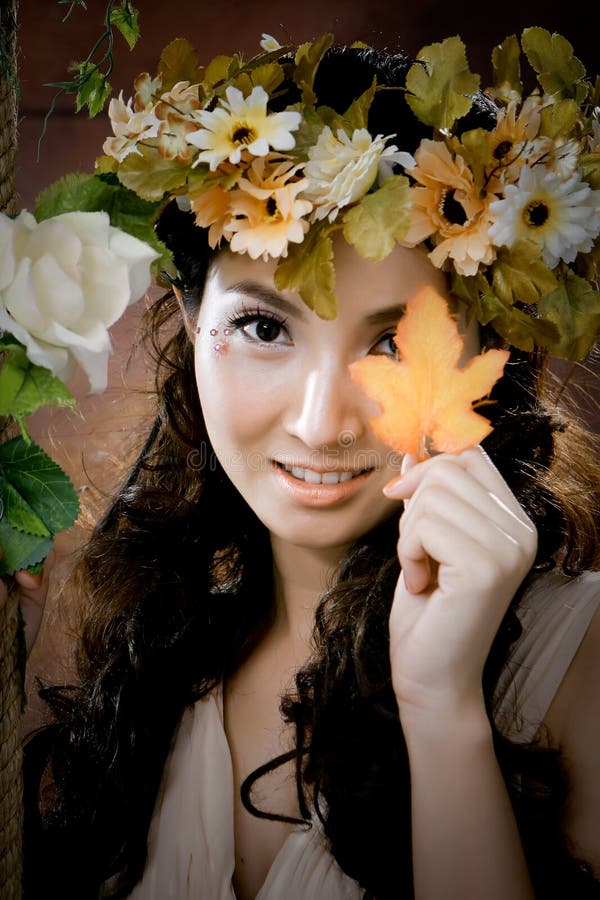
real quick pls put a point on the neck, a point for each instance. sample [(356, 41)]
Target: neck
[(301, 575)]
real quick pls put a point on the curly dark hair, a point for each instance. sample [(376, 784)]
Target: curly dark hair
[(175, 599)]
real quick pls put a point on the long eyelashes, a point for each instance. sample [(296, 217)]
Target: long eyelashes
[(247, 316)]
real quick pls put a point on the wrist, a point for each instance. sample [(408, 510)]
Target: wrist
[(446, 718)]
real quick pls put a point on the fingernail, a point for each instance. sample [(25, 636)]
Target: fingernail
[(390, 487), (29, 579)]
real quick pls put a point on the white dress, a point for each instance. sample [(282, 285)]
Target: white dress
[(191, 853)]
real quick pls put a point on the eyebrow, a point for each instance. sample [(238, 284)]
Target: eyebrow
[(388, 314), (263, 293)]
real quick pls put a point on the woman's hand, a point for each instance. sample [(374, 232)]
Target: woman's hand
[(33, 590), (465, 546)]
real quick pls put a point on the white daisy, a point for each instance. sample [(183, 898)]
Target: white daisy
[(239, 124), (561, 215), (341, 169)]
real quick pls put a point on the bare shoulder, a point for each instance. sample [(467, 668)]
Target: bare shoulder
[(574, 721)]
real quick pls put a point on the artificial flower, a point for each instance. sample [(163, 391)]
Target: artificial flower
[(447, 207), (182, 99), (212, 208), (266, 213), (172, 138), (269, 43), (561, 215), (341, 169), (239, 124), (64, 282), (514, 131), (129, 127), (146, 91)]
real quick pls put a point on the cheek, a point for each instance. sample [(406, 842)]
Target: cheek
[(239, 397)]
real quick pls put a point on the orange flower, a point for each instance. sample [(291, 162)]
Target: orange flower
[(212, 209), (266, 214), (447, 207)]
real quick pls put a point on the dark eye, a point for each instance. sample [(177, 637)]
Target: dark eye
[(385, 346), (267, 329)]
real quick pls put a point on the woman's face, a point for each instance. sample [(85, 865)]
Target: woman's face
[(286, 421)]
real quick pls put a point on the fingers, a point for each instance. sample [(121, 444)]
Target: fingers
[(33, 590), (460, 512)]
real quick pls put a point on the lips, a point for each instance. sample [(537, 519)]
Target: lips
[(322, 492)]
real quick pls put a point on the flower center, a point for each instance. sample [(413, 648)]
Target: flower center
[(536, 214), (452, 210), (503, 149), (243, 134), (272, 209)]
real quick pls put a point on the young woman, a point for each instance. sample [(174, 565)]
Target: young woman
[(301, 675)]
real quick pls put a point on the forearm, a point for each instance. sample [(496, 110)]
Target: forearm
[(465, 841)]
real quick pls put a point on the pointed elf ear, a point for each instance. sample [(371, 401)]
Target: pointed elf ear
[(190, 325)]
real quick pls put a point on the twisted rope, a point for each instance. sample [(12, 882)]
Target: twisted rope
[(11, 785)]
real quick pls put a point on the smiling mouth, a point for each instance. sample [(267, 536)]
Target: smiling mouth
[(311, 477)]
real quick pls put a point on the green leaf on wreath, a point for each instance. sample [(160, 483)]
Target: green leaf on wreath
[(24, 387), (441, 86), (559, 71), (575, 309), (179, 62), (517, 327), (506, 67), (148, 174), (308, 270), (558, 119), (380, 219), (520, 274), (590, 169), (308, 57)]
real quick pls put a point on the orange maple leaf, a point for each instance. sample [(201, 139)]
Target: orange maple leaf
[(425, 397)]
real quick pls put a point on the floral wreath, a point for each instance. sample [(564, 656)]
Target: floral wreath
[(512, 213)]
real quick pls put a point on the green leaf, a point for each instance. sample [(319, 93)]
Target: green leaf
[(575, 309), (24, 387), (520, 274), (19, 513), (179, 62), (506, 67), (268, 76), (20, 551), (380, 219), (517, 327), (559, 119), (149, 175), (590, 169), (308, 57), (357, 114), (94, 89), (308, 270), (41, 482), (441, 86), (88, 193), (559, 71), (35, 496), (311, 126), (125, 18), (475, 148)]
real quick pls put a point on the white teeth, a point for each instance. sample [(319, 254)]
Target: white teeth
[(312, 477)]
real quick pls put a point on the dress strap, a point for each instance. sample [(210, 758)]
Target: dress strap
[(555, 614)]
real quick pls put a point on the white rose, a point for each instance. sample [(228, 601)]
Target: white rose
[(63, 283)]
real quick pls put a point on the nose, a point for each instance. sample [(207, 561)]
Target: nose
[(328, 410)]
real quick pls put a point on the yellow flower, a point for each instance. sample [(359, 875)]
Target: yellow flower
[(266, 214), (510, 140), (446, 207), (242, 124)]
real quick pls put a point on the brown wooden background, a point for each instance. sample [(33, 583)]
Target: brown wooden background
[(92, 442)]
